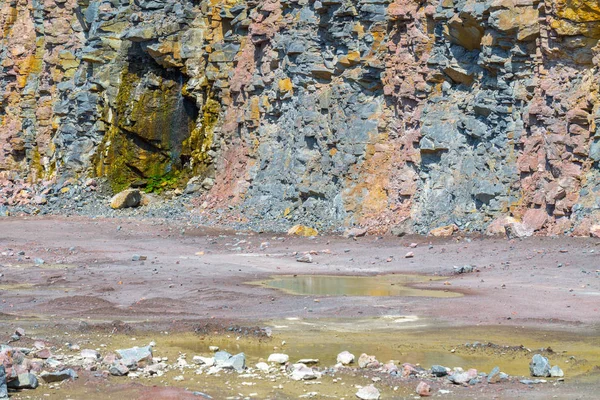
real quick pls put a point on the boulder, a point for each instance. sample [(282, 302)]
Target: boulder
[(23, 381), (539, 366), (126, 198)]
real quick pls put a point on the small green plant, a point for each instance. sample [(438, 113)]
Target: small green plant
[(160, 183)]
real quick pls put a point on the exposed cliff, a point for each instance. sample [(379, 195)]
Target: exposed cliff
[(330, 113)]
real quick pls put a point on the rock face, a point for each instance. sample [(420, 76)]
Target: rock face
[(326, 113)]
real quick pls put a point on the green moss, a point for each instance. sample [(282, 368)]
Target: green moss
[(200, 140), (159, 183), (153, 133)]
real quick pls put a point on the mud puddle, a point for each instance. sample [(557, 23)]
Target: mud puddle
[(376, 286)]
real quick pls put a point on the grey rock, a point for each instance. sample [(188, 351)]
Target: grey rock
[(556, 372), (3, 388), (118, 369), (305, 258), (532, 381), (539, 366), (221, 357), (59, 376), (23, 381), (135, 354), (237, 362), (439, 371), (465, 269), (496, 376)]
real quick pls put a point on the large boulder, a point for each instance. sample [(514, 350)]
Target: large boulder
[(126, 198)]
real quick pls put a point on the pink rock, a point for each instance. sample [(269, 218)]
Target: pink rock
[(535, 218), (595, 231), (423, 389)]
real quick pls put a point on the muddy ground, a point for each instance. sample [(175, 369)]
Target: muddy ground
[(193, 287)]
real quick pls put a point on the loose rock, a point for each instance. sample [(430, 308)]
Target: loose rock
[(278, 358), (345, 358), (423, 389), (125, 199), (59, 376), (368, 393), (539, 366)]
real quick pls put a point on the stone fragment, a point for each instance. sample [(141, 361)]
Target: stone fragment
[(345, 358), (135, 354), (464, 269), (439, 371), (118, 369), (423, 389), (496, 376), (59, 376), (91, 354), (444, 231), (208, 361), (462, 378), (539, 366), (24, 381), (126, 198), (517, 230), (301, 372), (278, 358), (367, 361), (556, 372), (368, 393), (237, 362), (355, 232), (595, 231), (302, 230), (305, 258), (263, 366), (3, 388)]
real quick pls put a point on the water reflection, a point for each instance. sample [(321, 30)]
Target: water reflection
[(377, 286)]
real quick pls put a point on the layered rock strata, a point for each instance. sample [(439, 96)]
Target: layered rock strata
[(329, 113)]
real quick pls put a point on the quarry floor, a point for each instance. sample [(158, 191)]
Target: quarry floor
[(106, 281)]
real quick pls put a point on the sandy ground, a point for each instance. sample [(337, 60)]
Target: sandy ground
[(193, 277)]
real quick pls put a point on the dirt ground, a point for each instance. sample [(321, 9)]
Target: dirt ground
[(538, 291)]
